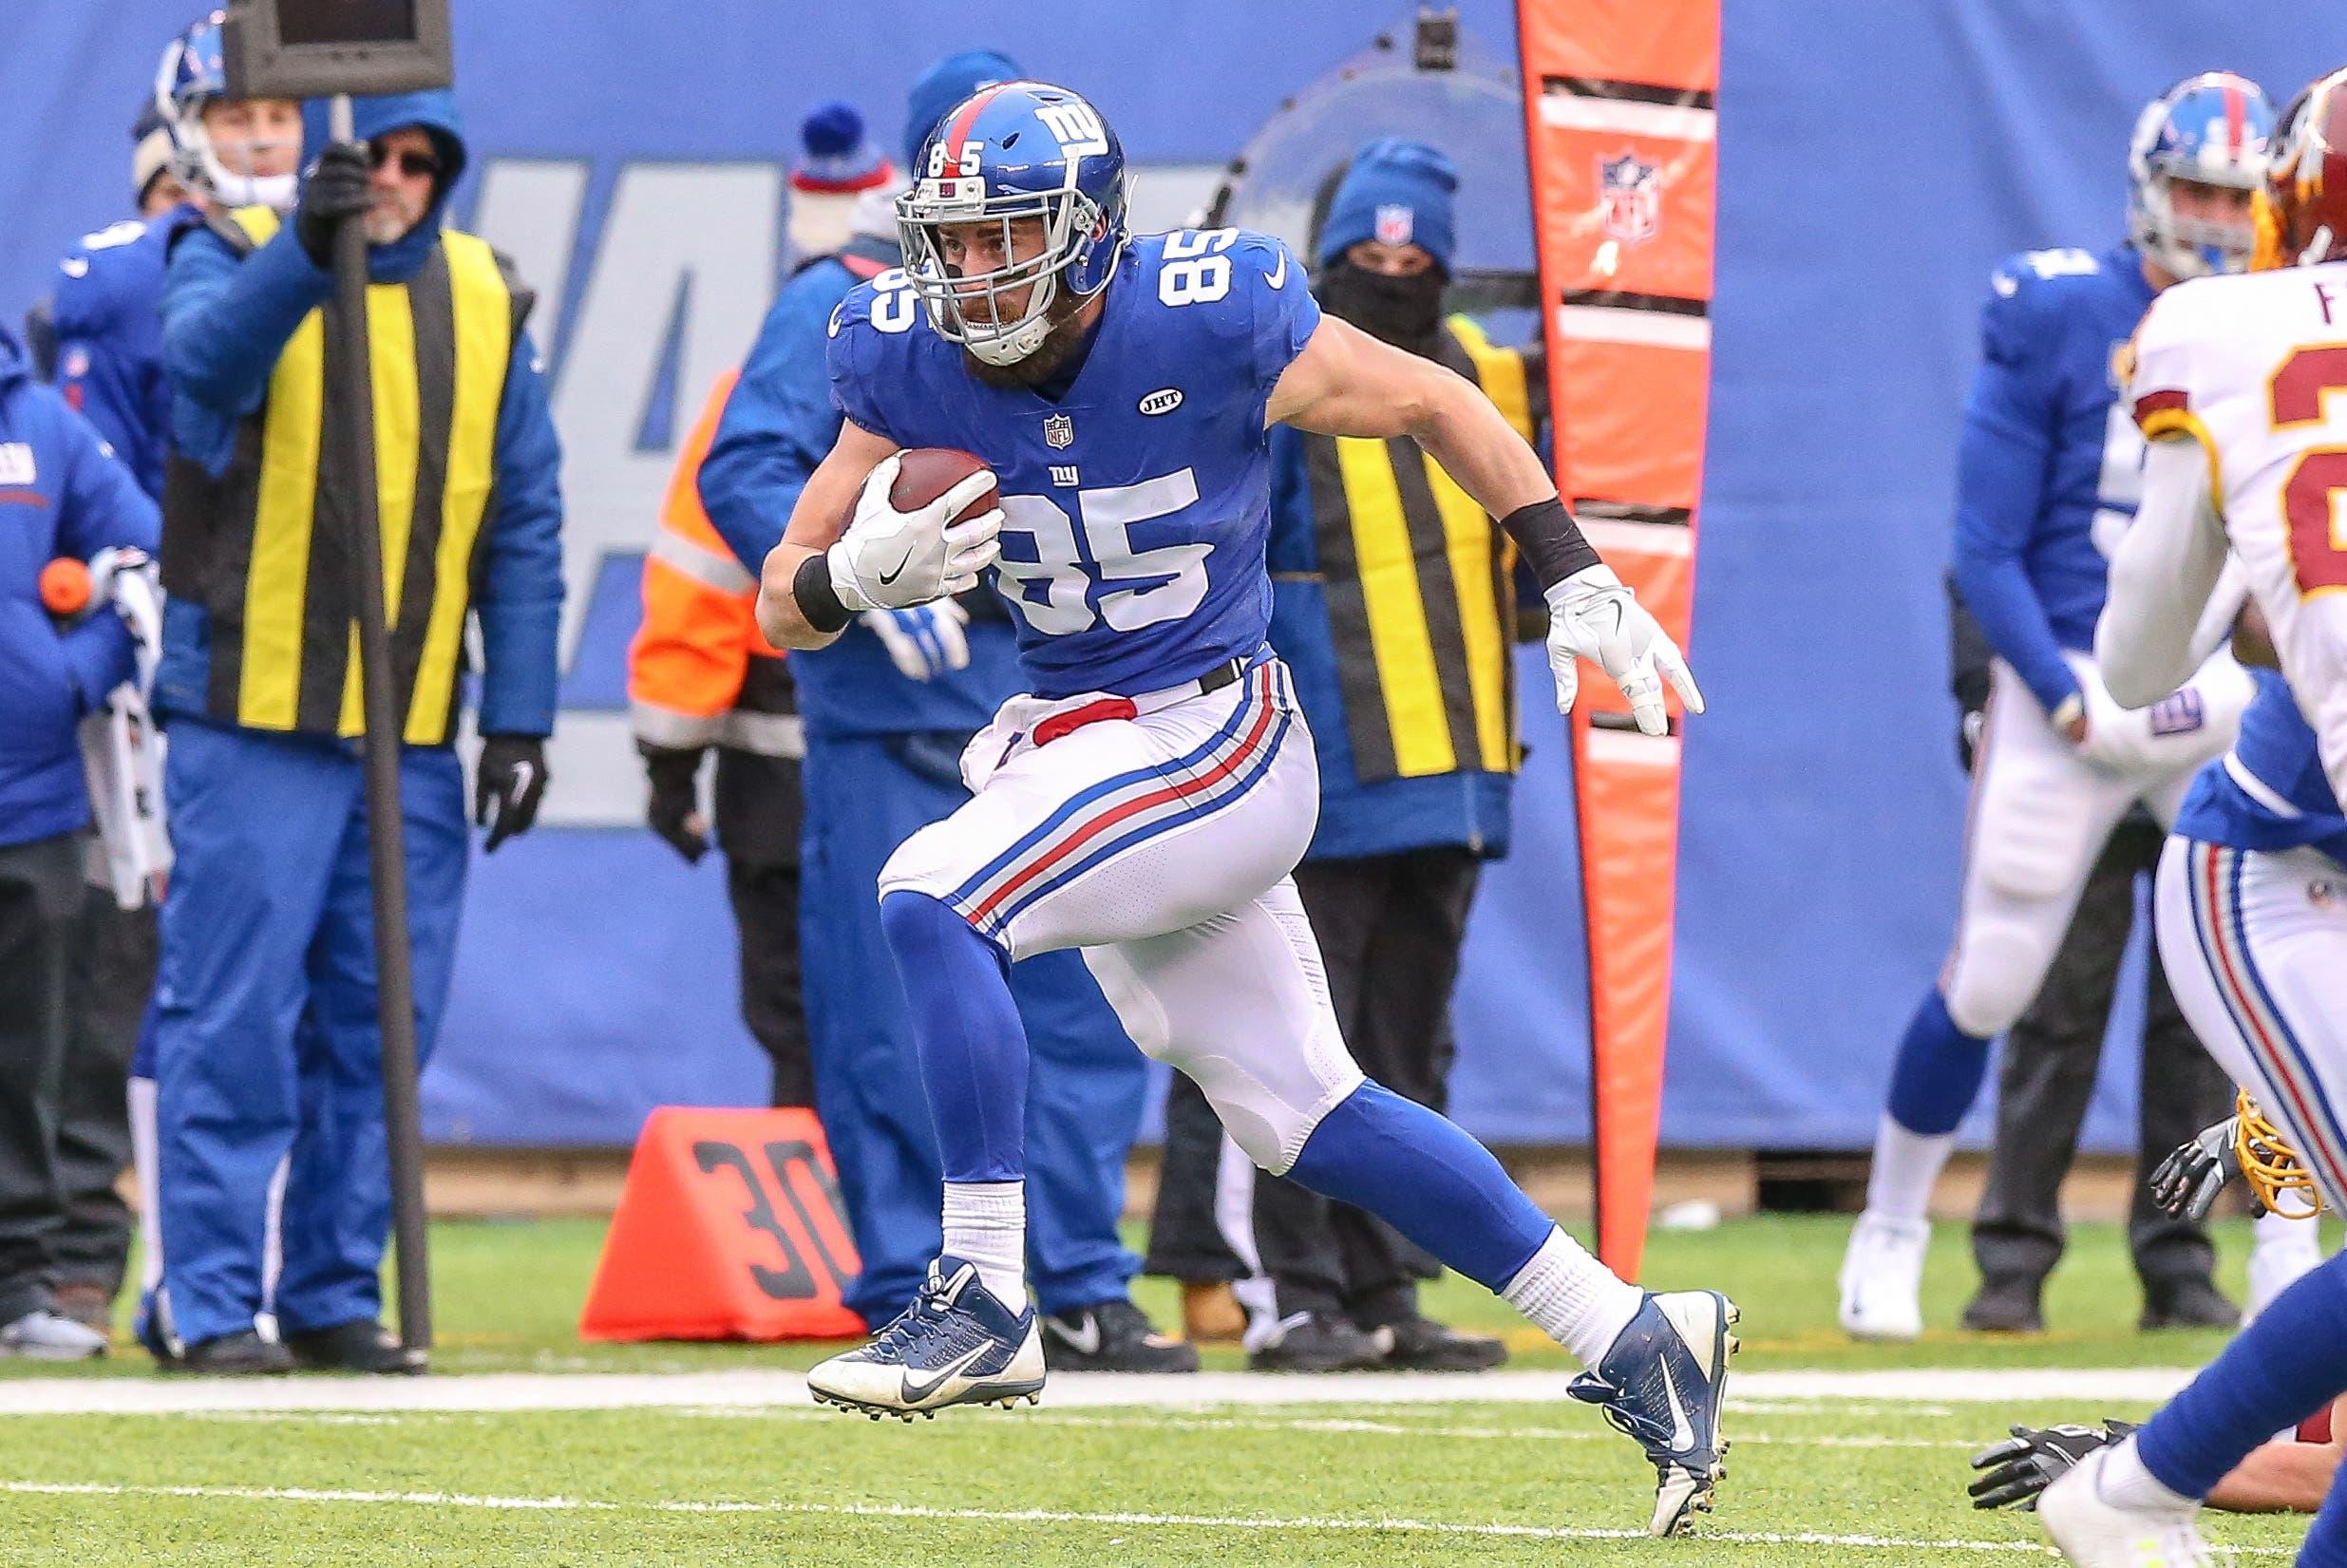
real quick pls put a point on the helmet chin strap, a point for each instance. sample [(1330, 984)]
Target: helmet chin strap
[(248, 190)]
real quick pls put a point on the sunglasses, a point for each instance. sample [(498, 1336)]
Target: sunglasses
[(415, 165)]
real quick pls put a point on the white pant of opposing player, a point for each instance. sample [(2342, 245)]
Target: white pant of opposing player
[(2256, 950), (2042, 810), (1161, 844)]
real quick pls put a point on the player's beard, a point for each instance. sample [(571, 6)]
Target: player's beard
[(1065, 338)]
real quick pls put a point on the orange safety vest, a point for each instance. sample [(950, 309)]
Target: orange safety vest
[(690, 680)]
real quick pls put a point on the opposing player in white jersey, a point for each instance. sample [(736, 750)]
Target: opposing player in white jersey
[(1147, 802), (2046, 481), (2241, 384)]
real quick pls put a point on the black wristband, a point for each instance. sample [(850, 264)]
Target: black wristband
[(1551, 542), (818, 602)]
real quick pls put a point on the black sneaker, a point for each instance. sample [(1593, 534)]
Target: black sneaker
[(361, 1345), (2189, 1304), (1314, 1341), (2006, 1306), (245, 1354), (1113, 1336), (1422, 1345)]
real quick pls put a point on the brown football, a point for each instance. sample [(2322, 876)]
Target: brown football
[(928, 472)]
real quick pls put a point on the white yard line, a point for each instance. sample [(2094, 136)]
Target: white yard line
[(162, 1395), (1026, 1516)]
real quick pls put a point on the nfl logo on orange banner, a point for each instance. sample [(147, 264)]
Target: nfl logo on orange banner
[(1630, 198)]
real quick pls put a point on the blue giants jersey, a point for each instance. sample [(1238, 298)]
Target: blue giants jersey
[(110, 340), (1136, 508), (2270, 792), (2051, 465)]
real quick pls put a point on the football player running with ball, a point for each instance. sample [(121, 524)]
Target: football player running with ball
[(1145, 802)]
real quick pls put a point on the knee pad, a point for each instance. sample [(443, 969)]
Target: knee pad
[(1998, 966), (1268, 1099)]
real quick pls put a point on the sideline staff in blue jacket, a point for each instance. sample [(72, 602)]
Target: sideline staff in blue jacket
[(61, 495), (267, 1047)]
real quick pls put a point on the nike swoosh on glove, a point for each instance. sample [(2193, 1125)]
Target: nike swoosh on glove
[(1593, 616), (925, 641), (508, 786), (893, 560)]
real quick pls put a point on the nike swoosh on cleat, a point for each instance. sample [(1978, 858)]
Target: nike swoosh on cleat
[(914, 1393), (1682, 1435), (1086, 1342)]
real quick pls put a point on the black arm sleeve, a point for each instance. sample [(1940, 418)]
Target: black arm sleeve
[(1550, 541), (1968, 652)]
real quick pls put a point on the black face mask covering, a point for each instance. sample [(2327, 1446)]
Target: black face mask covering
[(1404, 311)]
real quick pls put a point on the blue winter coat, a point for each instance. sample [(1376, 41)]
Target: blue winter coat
[(60, 494)]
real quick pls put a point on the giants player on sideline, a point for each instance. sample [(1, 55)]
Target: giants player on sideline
[(1146, 802), (2241, 384), (2046, 479)]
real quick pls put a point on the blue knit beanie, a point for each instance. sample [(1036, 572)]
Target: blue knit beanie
[(835, 155), (944, 85), (1397, 191)]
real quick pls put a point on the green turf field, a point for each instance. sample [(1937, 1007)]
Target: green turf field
[(1843, 1479)]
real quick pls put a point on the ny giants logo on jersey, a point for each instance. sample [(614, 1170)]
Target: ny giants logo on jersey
[(2179, 713), (1630, 198)]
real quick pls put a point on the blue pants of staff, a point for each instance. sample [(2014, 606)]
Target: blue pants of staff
[(864, 796), (267, 1059)]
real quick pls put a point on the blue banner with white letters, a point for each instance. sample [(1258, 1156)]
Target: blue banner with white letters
[(1876, 162)]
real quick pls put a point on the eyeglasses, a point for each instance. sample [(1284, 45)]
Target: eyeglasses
[(415, 165)]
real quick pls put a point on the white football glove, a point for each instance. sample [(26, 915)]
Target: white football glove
[(1593, 616), (892, 560), (924, 642)]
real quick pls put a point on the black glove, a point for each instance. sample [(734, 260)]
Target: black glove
[(2187, 1181), (511, 781), (675, 810), (336, 189), (2015, 1470)]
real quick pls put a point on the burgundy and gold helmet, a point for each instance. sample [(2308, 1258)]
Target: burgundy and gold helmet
[(2301, 214), (2270, 1164)]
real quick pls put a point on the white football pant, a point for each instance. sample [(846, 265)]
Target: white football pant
[(2041, 811), (1159, 843)]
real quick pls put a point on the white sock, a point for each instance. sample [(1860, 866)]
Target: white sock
[(986, 1224), (1906, 1167), (2126, 1484), (1573, 1298)]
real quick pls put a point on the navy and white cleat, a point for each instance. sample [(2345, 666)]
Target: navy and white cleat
[(1662, 1382), (955, 1345)]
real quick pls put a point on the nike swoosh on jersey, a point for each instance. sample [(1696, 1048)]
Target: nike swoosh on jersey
[(1278, 276), (915, 1392), (1682, 1435)]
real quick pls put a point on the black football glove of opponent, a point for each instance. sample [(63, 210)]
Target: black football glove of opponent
[(2015, 1470), (510, 782), (674, 813), (2186, 1183), (336, 189)]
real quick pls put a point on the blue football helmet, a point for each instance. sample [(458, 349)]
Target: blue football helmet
[(2209, 129), (1011, 155), (195, 72)]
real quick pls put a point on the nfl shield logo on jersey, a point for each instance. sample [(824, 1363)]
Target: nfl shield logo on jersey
[(1058, 431), (1395, 224), (1630, 198)]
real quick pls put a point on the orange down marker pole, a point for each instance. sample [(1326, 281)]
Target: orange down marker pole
[(1618, 109)]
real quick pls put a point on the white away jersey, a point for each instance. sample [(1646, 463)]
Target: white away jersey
[(2254, 368)]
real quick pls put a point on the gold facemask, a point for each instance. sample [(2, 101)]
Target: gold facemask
[(2268, 1163)]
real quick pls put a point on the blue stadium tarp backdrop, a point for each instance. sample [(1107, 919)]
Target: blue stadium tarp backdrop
[(1876, 160)]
